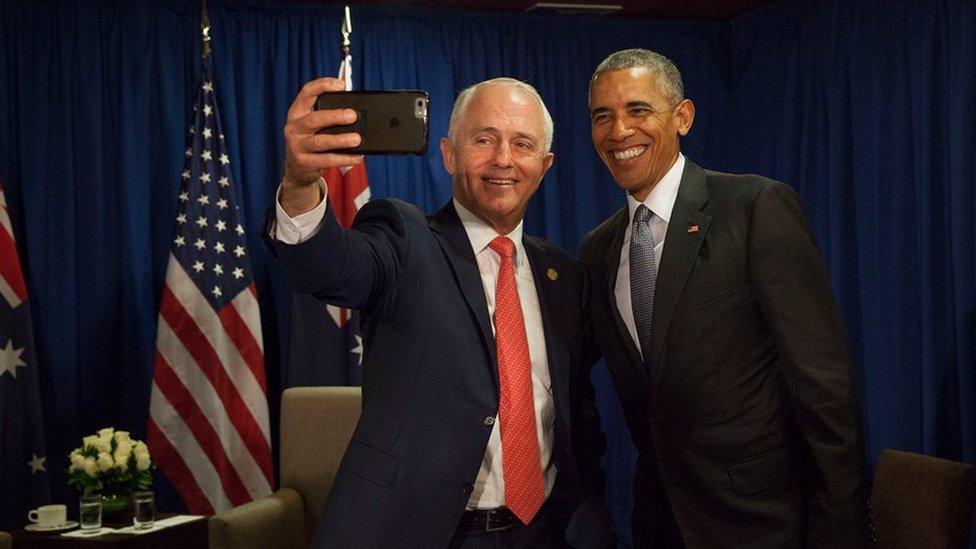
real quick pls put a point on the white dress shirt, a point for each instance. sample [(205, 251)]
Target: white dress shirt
[(661, 203), (489, 486)]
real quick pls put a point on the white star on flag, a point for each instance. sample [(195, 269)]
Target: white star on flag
[(10, 359), (37, 463)]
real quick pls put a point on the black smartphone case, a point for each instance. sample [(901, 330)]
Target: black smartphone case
[(389, 122)]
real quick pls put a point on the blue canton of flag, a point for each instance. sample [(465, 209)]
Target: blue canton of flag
[(208, 414), (210, 239), (23, 473)]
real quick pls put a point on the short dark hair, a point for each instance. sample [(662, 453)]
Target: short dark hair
[(667, 74)]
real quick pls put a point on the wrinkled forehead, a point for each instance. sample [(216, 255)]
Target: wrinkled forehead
[(626, 85)]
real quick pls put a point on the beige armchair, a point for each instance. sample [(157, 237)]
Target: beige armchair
[(922, 501), (316, 425)]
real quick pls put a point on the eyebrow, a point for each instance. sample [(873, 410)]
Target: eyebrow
[(629, 105), (492, 129)]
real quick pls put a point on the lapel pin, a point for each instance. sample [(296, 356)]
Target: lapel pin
[(552, 274), (693, 229)]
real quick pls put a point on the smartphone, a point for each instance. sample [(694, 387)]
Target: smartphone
[(389, 122)]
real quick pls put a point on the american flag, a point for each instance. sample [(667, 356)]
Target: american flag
[(208, 424), (23, 471), (325, 335)]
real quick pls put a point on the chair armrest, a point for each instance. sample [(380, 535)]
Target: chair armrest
[(271, 522), (5, 541)]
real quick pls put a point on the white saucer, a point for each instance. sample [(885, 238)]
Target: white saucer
[(56, 528)]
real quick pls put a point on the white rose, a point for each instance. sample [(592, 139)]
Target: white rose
[(141, 447), (142, 461), (77, 460), (89, 441), (106, 432), (125, 447), (105, 461), (91, 468), (122, 436), (122, 462), (103, 444)]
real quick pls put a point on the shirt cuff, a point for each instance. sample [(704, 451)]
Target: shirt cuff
[(298, 229)]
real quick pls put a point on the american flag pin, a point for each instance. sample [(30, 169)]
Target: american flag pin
[(693, 229), (552, 274)]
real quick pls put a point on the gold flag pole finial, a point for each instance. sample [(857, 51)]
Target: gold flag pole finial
[(204, 28), (346, 31)]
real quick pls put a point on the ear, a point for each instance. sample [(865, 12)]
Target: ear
[(685, 113), (447, 154), (547, 163)]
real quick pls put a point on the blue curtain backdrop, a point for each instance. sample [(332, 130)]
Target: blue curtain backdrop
[(868, 109)]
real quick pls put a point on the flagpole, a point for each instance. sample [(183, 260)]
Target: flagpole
[(205, 29), (346, 31)]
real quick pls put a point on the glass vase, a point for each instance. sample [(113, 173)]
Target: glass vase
[(116, 504)]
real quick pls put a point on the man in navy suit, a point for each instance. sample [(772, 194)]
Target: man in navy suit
[(478, 426)]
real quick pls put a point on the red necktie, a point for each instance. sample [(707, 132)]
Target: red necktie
[(524, 492)]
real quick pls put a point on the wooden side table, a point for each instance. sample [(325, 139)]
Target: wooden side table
[(188, 535)]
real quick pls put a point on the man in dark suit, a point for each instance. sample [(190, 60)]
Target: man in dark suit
[(478, 426), (715, 314)]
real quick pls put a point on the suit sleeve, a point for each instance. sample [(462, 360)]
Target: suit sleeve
[(349, 268), (793, 290)]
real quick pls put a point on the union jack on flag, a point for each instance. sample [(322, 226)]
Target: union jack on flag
[(208, 425)]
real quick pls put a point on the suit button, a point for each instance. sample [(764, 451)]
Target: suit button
[(488, 421)]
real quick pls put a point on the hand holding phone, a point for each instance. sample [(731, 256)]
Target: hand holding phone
[(389, 122)]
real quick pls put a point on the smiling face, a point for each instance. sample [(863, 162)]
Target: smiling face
[(635, 128), (497, 155)]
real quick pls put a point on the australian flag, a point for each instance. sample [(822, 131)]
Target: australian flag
[(326, 347), (23, 471)]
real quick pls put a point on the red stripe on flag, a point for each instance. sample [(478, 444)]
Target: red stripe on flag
[(244, 340), (208, 439), (10, 267), (172, 465), (211, 365)]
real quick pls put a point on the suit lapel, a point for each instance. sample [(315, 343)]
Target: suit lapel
[(611, 266), (550, 294), (447, 228), (680, 252)]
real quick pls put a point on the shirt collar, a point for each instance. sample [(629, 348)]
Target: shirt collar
[(662, 197), (480, 234)]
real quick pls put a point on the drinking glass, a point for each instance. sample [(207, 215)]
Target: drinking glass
[(90, 512), (144, 509)]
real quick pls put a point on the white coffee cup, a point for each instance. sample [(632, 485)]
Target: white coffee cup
[(49, 516)]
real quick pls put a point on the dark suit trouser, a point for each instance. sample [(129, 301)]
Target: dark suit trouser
[(652, 520)]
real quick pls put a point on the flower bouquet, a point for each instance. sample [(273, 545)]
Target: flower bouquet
[(112, 464)]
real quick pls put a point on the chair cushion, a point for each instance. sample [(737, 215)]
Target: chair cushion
[(316, 426)]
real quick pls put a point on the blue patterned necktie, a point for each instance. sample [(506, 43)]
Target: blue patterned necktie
[(643, 275)]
